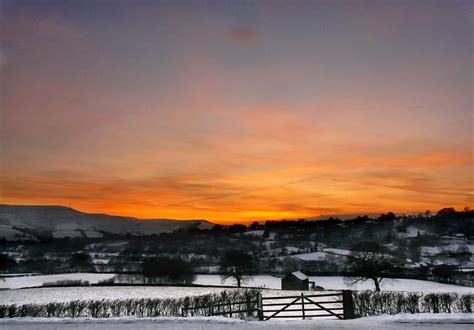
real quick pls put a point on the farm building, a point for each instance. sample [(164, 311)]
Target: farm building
[(295, 281)]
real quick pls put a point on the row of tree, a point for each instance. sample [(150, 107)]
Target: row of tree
[(367, 261)]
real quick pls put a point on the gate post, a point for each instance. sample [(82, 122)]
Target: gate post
[(259, 306), (348, 304), (248, 305), (302, 305)]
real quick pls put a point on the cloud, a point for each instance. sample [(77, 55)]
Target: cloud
[(243, 36), (437, 158), (37, 35)]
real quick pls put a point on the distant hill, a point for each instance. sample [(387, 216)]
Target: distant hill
[(18, 222)]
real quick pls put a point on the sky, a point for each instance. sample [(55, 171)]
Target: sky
[(234, 111)]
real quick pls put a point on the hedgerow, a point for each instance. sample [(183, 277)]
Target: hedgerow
[(368, 303), (244, 299)]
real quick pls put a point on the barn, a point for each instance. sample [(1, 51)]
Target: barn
[(295, 281)]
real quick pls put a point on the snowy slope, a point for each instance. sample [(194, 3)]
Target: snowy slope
[(10, 234), (59, 221)]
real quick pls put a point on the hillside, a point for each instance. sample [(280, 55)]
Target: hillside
[(19, 222), (45, 239)]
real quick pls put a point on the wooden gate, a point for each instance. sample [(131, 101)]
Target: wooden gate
[(337, 305)]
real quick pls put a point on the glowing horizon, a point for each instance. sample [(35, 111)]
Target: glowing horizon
[(238, 111)]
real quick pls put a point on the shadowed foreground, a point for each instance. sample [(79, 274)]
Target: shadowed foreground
[(419, 321)]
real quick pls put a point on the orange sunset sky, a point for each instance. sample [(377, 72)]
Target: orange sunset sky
[(234, 111)]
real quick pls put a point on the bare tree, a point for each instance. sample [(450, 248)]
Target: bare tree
[(444, 272), (6, 262), (368, 261), (447, 211), (166, 270), (237, 265), (81, 262)]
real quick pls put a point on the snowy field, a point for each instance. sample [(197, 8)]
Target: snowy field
[(44, 295), (400, 321), (61, 294), (264, 281), (337, 283)]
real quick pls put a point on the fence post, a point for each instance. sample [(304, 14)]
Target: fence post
[(348, 304), (302, 305), (259, 306), (248, 305)]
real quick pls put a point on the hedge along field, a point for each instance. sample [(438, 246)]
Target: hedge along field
[(366, 303), (369, 303), (145, 307)]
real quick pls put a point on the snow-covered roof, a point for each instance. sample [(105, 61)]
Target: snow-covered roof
[(299, 275)]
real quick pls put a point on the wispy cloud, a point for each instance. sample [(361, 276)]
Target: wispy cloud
[(279, 111), (35, 34)]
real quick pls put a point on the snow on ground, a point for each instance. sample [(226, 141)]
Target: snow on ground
[(9, 233), (337, 283), (341, 252), (400, 321), (61, 294), (92, 234), (17, 275), (413, 231), (310, 256), (256, 233), (40, 295), (430, 250), (292, 249), (319, 255), (434, 250), (264, 281)]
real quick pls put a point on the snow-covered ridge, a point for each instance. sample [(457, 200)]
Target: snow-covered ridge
[(18, 222)]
